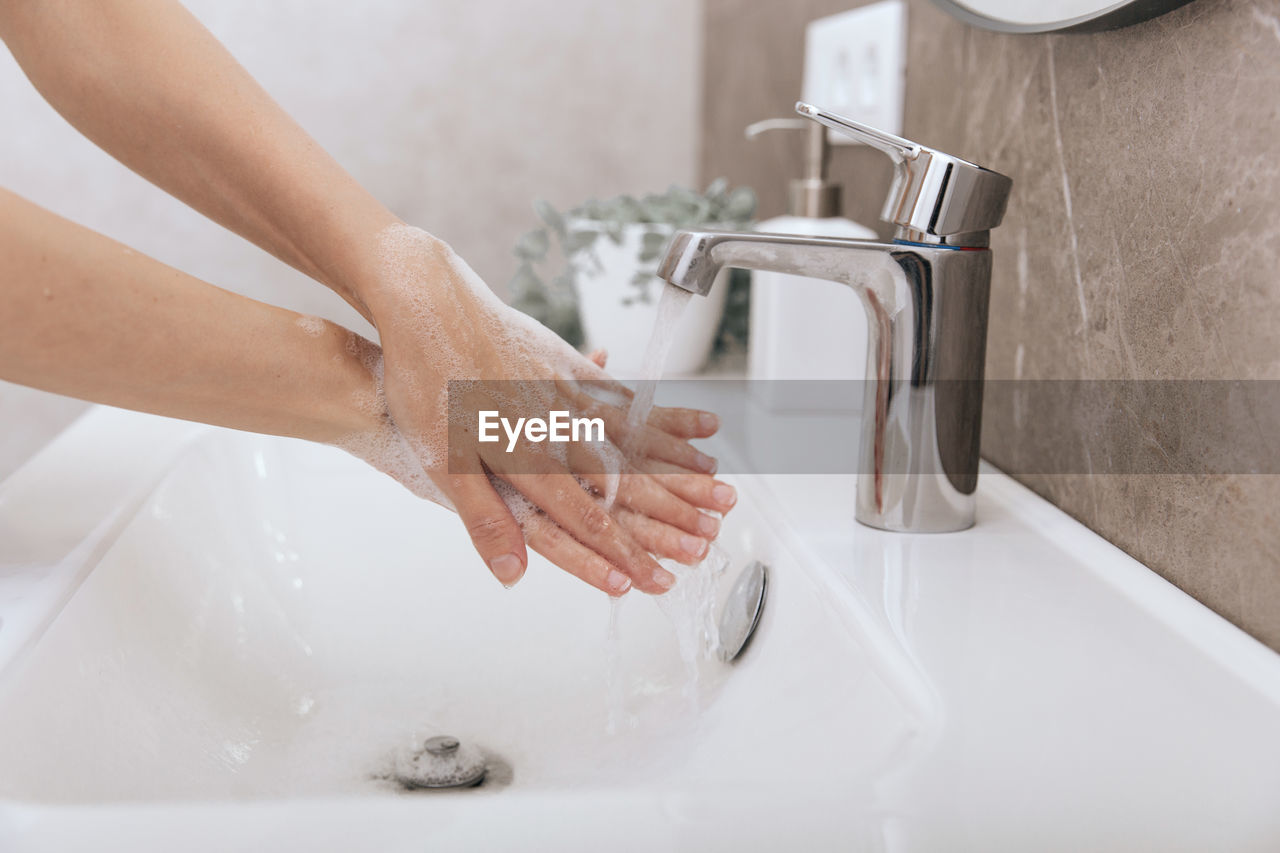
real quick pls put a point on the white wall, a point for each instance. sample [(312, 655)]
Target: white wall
[(456, 114)]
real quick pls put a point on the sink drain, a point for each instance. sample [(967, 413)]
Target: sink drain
[(442, 761), (741, 614)]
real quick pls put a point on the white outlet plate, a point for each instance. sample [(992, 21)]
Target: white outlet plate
[(855, 65)]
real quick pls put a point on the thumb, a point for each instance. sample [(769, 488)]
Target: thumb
[(493, 529)]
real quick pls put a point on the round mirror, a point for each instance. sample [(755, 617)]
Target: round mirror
[(1042, 16)]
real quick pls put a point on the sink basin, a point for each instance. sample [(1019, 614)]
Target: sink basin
[(215, 640), (274, 621)]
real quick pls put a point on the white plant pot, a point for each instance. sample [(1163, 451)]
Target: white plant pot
[(614, 319)]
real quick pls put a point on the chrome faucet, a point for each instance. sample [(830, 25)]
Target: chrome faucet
[(926, 299)]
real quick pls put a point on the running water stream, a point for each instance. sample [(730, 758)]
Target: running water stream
[(670, 308), (690, 604)]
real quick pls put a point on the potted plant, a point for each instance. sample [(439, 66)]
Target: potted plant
[(604, 294)]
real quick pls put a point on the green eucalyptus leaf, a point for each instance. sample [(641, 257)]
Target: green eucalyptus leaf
[(565, 287), (533, 245), (704, 211), (642, 281), (532, 300), (580, 241), (741, 205), (684, 196), (555, 301), (524, 280), (652, 244), (550, 216), (613, 230), (661, 210), (732, 334), (628, 209)]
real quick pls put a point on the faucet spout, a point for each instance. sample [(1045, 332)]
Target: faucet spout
[(922, 398), (693, 258)]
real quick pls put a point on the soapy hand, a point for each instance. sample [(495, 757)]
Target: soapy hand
[(197, 125), (595, 513)]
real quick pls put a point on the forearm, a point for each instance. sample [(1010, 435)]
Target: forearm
[(151, 86), (84, 316)]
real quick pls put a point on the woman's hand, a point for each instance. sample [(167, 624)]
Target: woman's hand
[(152, 87), (440, 324)]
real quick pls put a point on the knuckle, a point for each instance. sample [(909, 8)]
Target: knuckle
[(630, 490), (551, 536), (596, 571), (596, 521), (487, 529), (680, 422)]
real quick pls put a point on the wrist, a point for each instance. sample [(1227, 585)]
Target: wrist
[(405, 264), (348, 259), (347, 398)]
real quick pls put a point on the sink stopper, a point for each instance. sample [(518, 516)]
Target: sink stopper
[(440, 762), (741, 614)]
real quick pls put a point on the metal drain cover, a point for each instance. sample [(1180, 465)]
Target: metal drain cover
[(442, 761), (741, 612)]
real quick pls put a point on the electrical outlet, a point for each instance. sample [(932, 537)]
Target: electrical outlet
[(855, 65)]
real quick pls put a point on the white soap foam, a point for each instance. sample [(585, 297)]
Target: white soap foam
[(449, 314), (313, 326), (416, 767)]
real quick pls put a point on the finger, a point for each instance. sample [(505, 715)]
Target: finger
[(648, 441), (684, 423), (562, 498), (588, 374), (698, 489), (490, 524), (680, 422), (647, 495), (549, 539), (600, 357), (662, 447), (663, 539)]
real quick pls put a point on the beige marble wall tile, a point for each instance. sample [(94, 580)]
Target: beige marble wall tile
[(1142, 240)]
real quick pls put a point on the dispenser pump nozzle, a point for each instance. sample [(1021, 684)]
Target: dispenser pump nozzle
[(811, 195)]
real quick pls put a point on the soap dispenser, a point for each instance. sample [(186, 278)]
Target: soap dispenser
[(802, 328)]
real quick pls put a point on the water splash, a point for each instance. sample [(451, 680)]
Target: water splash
[(690, 606), (615, 684)]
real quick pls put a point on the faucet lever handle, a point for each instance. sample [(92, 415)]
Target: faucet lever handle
[(935, 198), (896, 147)]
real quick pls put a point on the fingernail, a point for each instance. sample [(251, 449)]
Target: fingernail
[(724, 494), (708, 526), (693, 546), (617, 582), (507, 569), (709, 422), (706, 463), (664, 578)]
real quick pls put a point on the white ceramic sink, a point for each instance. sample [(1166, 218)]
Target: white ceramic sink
[(213, 640)]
